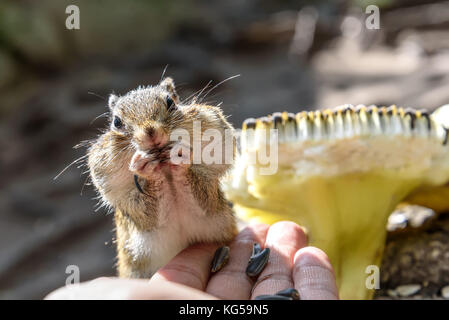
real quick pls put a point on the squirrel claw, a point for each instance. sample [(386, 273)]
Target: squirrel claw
[(136, 182), (257, 261), (221, 257)]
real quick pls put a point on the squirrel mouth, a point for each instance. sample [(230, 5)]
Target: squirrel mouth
[(144, 163), (157, 157)]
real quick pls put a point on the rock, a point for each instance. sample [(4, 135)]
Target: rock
[(410, 217), (392, 293), (396, 221), (421, 216), (408, 289), (445, 292), (435, 253), (405, 261)]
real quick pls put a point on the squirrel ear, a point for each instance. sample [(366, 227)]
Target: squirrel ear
[(112, 101), (169, 85)]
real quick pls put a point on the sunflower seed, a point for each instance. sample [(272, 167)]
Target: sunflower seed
[(272, 297), (221, 256), (290, 293), (256, 249), (257, 262)]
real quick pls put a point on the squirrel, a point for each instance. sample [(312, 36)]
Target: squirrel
[(161, 207)]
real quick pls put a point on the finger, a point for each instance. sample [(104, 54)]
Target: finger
[(283, 239), (128, 289), (166, 290), (313, 275), (191, 267), (232, 282)]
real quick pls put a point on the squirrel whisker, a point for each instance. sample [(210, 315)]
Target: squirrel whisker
[(196, 94), (217, 85), (71, 164)]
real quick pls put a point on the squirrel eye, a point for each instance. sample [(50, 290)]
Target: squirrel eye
[(170, 103), (118, 122)]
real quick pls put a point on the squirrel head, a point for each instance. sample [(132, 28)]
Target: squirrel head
[(144, 134), (146, 116)]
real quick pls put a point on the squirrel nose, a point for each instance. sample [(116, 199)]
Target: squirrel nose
[(149, 137), (150, 131)]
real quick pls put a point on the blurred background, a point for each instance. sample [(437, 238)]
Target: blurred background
[(290, 55)]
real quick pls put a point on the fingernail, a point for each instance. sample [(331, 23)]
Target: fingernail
[(221, 256)]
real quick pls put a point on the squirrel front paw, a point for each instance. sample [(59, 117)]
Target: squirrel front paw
[(142, 163), (146, 163)]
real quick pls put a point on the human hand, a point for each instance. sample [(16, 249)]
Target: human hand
[(187, 276)]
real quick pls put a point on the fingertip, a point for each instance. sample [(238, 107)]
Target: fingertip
[(288, 226), (232, 282), (258, 226), (288, 232), (313, 275), (254, 231), (309, 256), (101, 280), (283, 239), (191, 267)]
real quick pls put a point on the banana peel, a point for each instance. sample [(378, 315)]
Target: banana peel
[(339, 174)]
